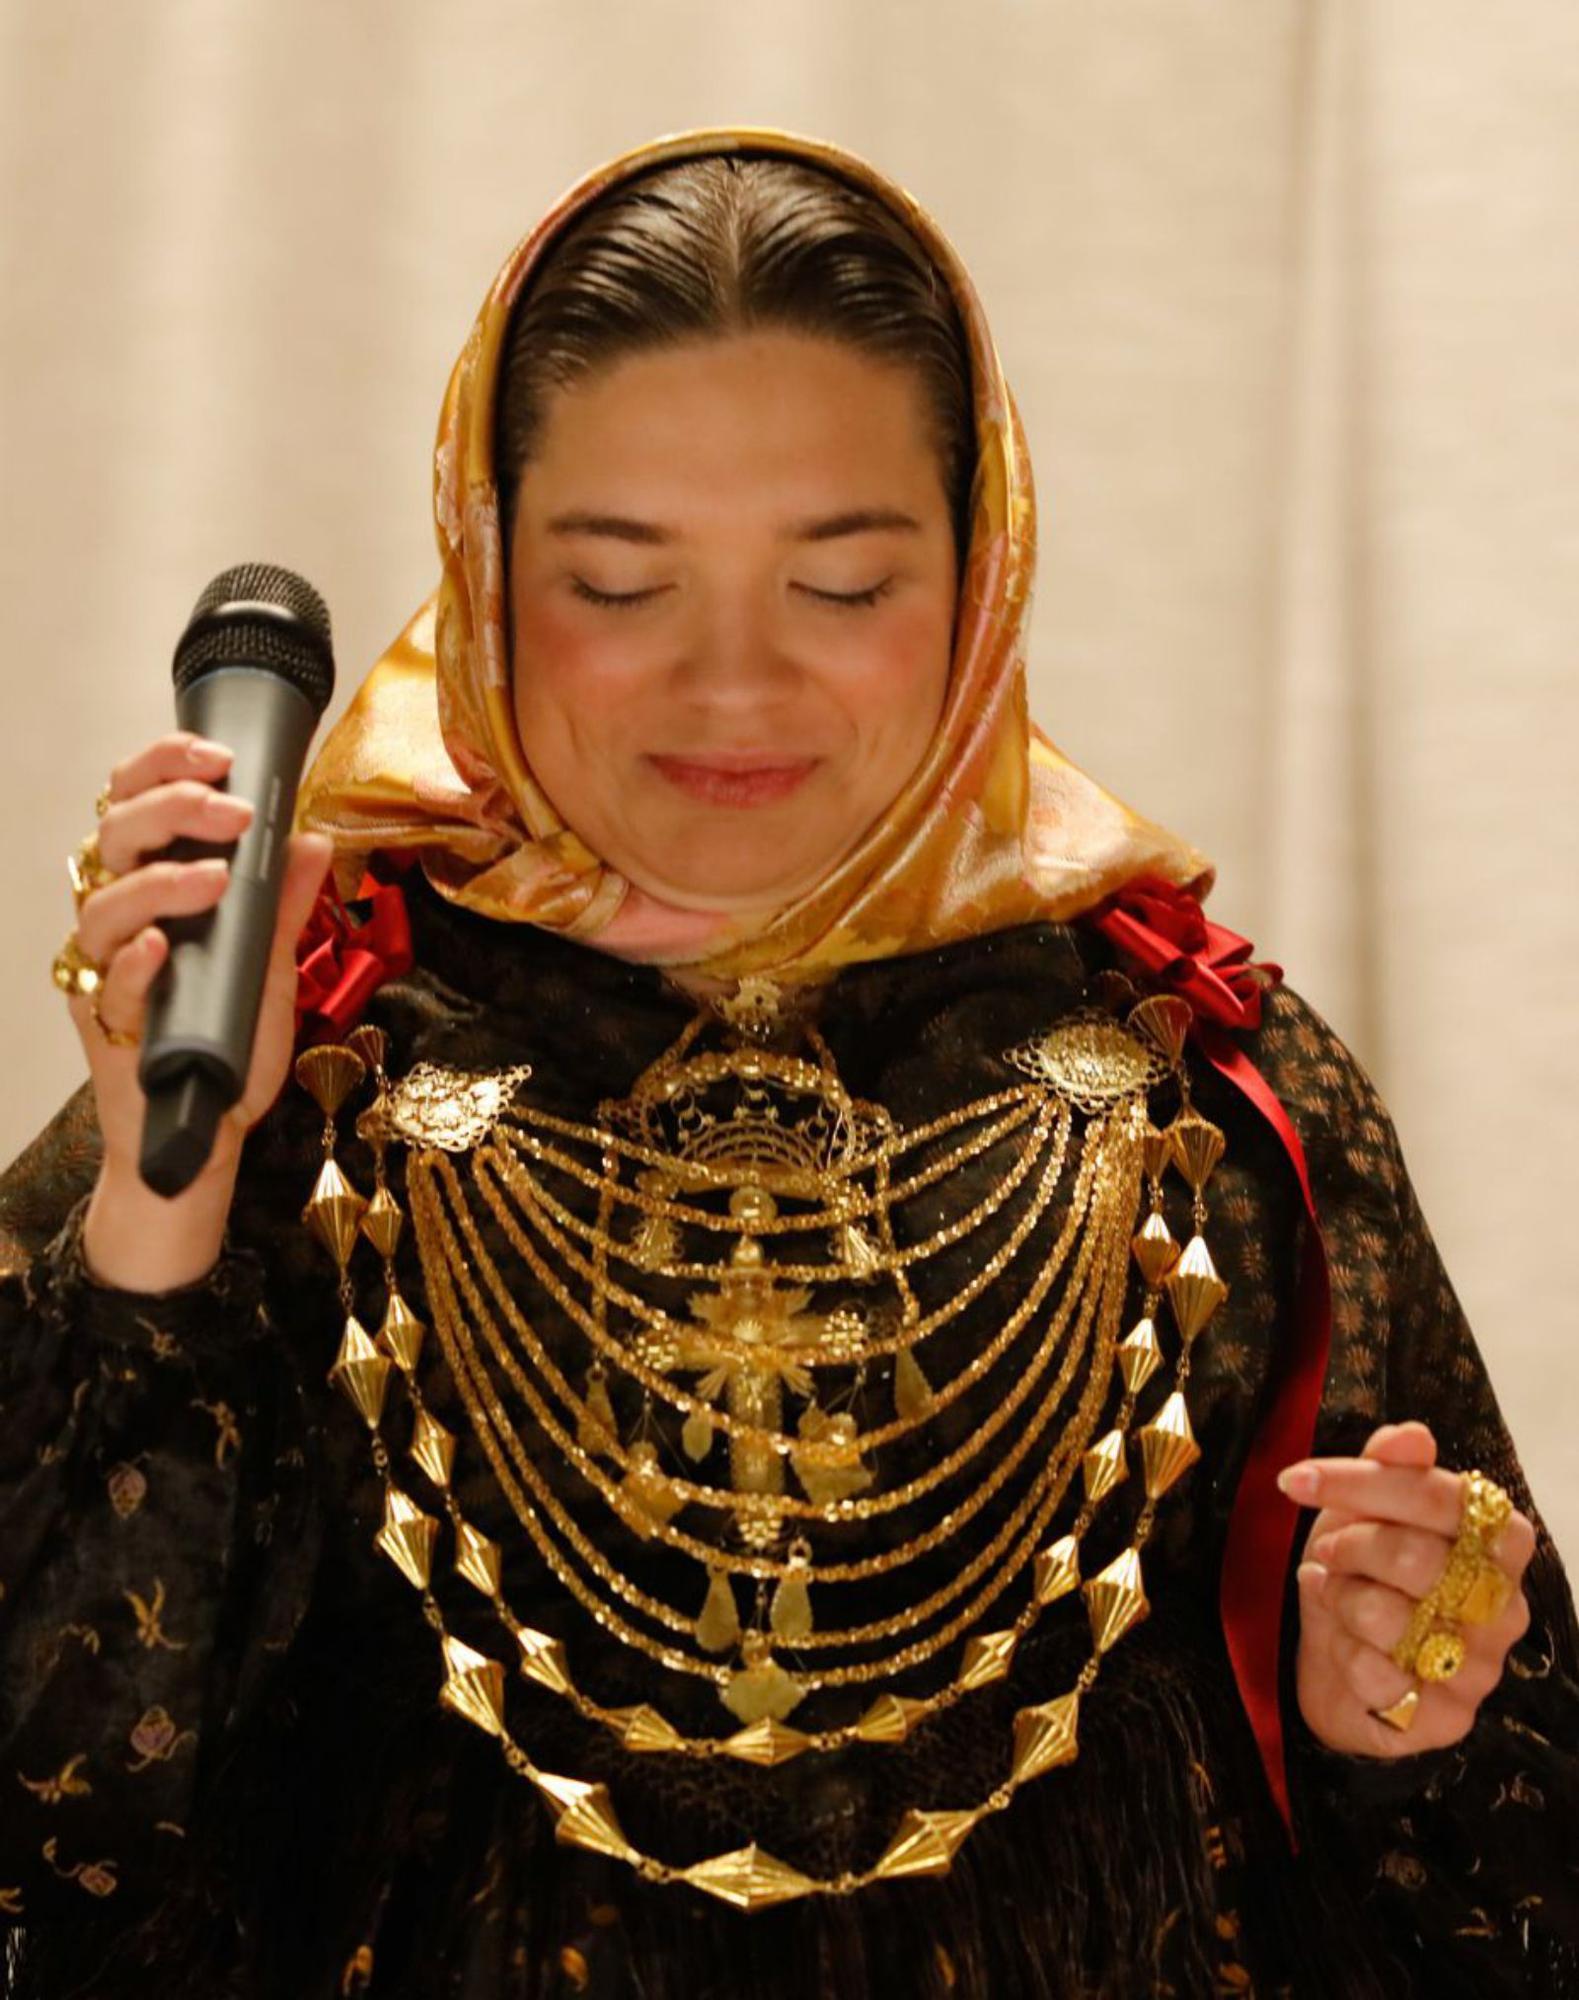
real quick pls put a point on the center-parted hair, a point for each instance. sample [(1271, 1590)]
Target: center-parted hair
[(729, 244)]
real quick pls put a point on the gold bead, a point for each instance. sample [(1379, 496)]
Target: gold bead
[(382, 1222), (1103, 1466), (749, 1878), (767, 1742), (718, 1625), (1197, 1146), (400, 1335), (586, 1816), (643, 1728), (474, 1686), (1045, 1736), (334, 1212), (890, 1719), (925, 1844), (1139, 1356), (1057, 1570), (543, 1659), (1167, 1446), (407, 1537), (1115, 1600), (361, 1373), (477, 1559), (433, 1447), (987, 1657), (1194, 1289), (1155, 1250)]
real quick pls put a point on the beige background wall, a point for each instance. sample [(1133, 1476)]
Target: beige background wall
[(1289, 299)]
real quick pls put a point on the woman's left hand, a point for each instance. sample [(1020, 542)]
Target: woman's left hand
[(1388, 1520)]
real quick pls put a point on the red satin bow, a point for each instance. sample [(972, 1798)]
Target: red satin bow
[(343, 957), (1165, 932)]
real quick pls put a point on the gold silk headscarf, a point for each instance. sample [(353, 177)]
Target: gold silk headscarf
[(994, 828)]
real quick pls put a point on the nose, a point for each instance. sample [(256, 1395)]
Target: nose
[(732, 659)]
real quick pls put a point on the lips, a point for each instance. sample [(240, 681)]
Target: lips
[(735, 780)]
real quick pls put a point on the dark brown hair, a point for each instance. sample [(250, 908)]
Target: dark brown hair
[(724, 244)]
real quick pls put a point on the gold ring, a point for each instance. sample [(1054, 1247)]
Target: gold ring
[(1401, 1714), (73, 971), (87, 870), (103, 802), (120, 1038)]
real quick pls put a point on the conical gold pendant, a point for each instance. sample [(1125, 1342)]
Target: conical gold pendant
[(1045, 1737), (1198, 1145), (433, 1447), (926, 1843), (474, 1686), (361, 1373), (1139, 1356), (382, 1223), (407, 1537), (1155, 1250), (1167, 1446), (400, 1335), (477, 1559), (334, 1213), (1103, 1466), (1194, 1289), (1057, 1570), (1115, 1600)]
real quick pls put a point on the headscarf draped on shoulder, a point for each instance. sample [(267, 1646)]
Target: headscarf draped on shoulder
[(994, 828)]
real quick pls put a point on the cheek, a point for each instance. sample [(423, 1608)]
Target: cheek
[(896, 694), (566, 681)]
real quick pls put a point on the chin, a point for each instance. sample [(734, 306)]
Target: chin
[(725, 885)]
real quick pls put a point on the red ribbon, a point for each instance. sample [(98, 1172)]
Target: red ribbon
[(1165, 931), (343, 957)]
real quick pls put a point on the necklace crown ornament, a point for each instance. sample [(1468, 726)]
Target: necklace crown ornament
[(734, 1306)]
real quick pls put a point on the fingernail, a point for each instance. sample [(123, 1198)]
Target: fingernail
[(202, 751), (212, 866), (1312, 1575), (1320, 1550), (1299, 1482)]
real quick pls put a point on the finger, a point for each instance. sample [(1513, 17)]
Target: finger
[(181, 754), (1410, 1560), (1374, 1612), (123, 998), (1419, 1496), (129, 833), (112, 916), (1408, 1443)]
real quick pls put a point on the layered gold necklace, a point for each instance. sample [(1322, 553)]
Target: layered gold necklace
[(752, 1276)]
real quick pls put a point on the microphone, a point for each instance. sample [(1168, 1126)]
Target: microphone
[(253, 670)]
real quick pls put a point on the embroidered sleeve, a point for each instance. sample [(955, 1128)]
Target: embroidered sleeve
[(1466, 1860), (154, 1543)]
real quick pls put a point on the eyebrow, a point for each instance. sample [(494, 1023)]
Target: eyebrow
[(620, 528)]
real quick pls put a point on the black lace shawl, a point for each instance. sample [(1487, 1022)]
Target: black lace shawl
[(224, 1771)]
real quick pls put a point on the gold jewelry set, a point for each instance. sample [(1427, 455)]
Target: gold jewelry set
[(745, 1270), (1473, 1589), (73, 971)]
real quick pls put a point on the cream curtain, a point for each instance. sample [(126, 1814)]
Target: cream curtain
[(1289, 296)]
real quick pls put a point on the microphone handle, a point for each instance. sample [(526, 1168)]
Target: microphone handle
[(203, 1008)]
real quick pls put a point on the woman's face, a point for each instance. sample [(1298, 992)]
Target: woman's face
[(768, 514)]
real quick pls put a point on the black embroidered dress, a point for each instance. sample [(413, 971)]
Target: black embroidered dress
[(224, 1769)]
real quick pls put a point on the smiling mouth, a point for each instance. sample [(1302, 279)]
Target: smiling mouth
[(735, 780)]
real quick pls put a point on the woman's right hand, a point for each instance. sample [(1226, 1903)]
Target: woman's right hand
[(162, 793)]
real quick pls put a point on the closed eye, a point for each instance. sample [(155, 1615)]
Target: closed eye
[(627, 600)]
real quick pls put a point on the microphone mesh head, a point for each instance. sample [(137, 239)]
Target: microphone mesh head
[(258, 615)]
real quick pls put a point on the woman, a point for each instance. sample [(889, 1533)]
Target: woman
[(783, 1126)]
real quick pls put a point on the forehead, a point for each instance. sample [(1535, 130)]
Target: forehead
[(774, 419)]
